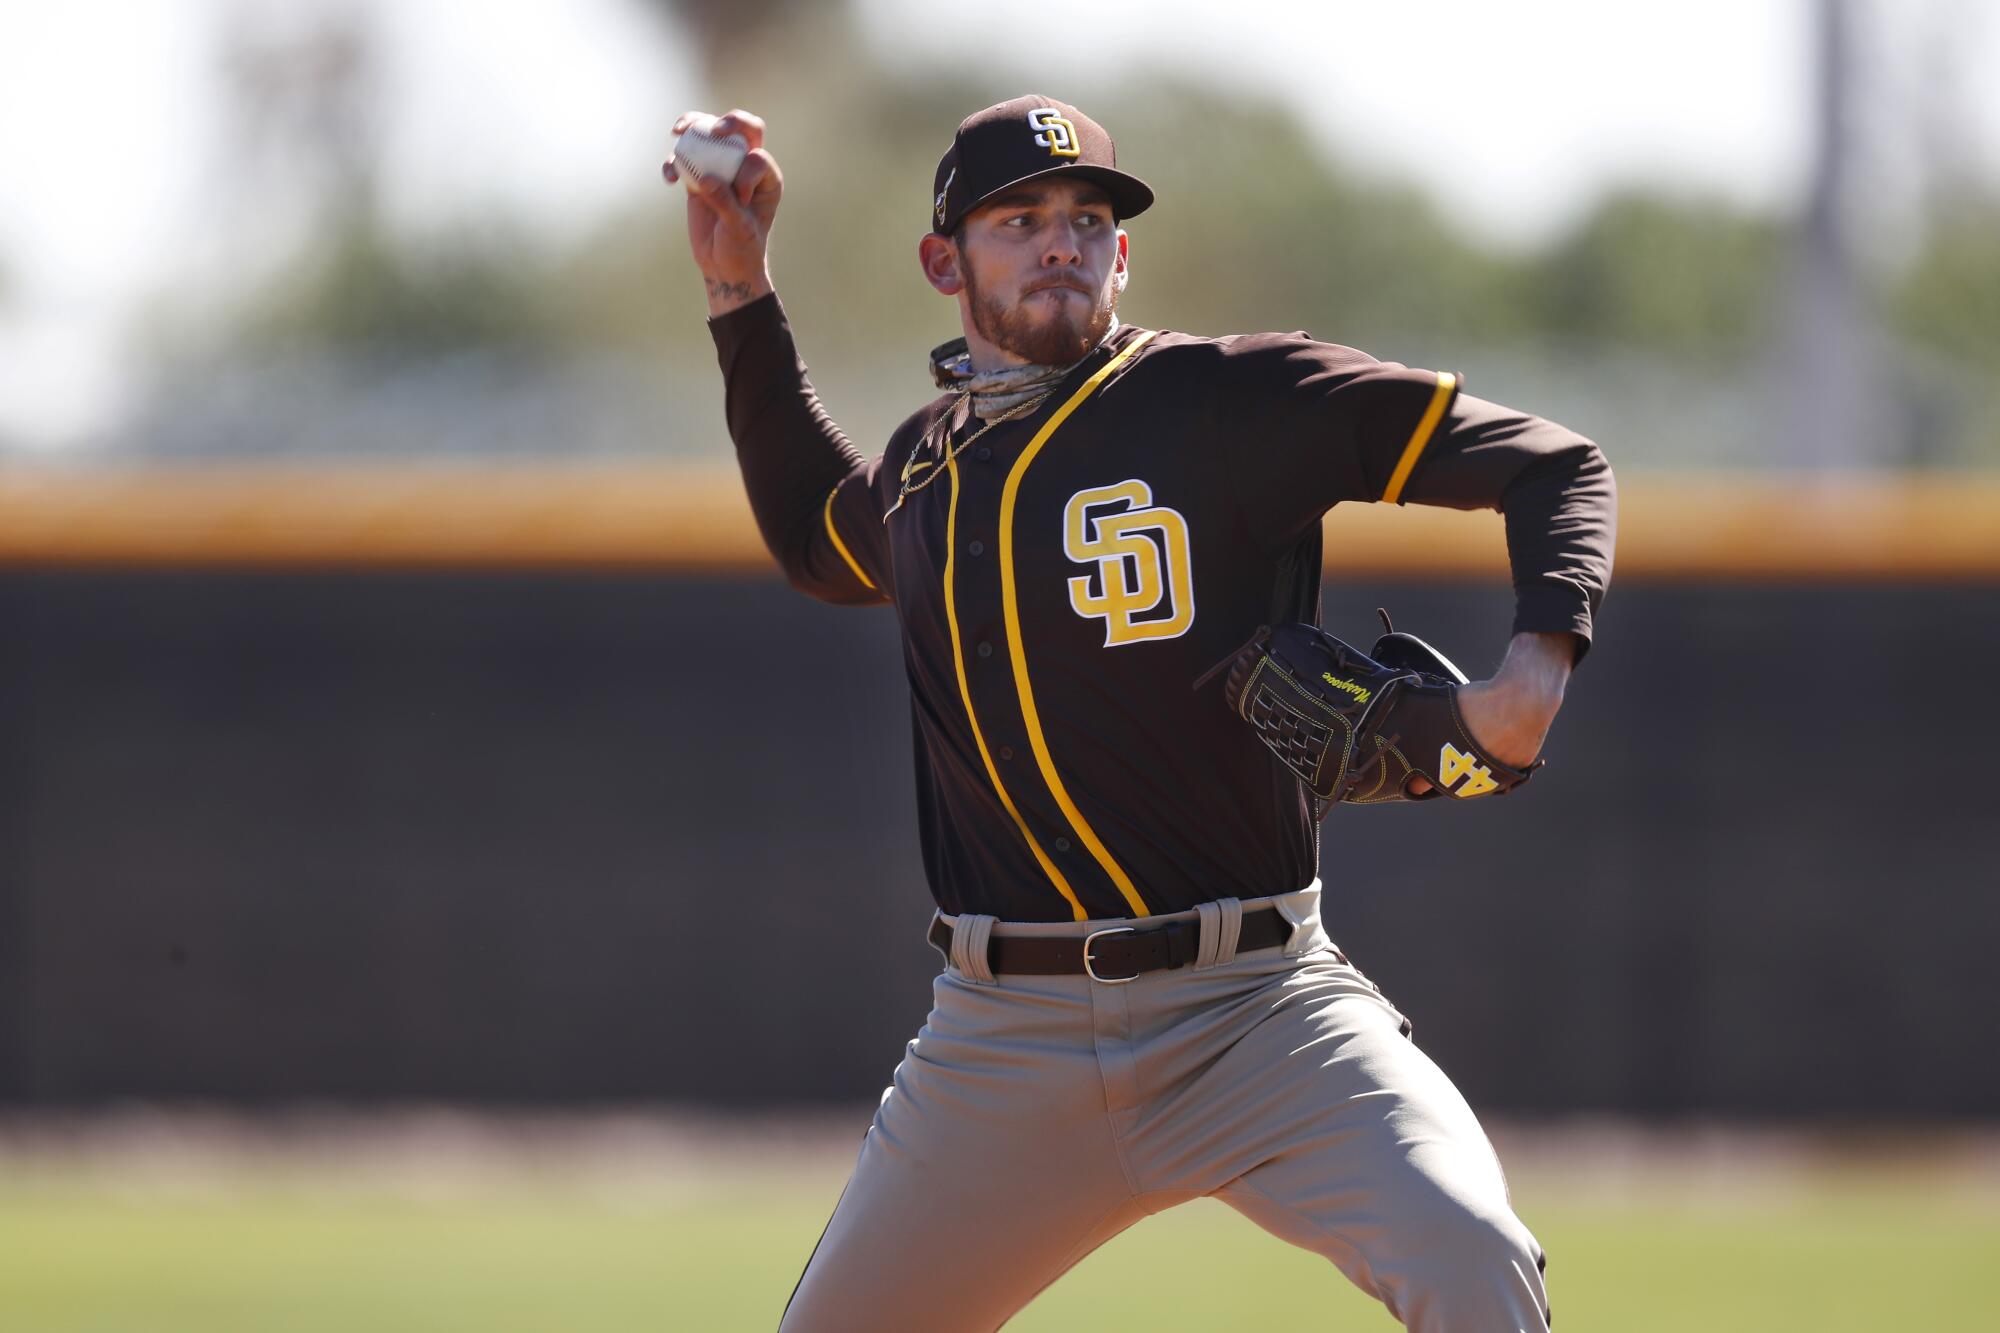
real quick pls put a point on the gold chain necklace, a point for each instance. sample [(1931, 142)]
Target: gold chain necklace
[(906, 489)]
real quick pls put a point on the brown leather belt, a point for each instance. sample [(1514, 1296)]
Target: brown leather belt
[(1116, 953)]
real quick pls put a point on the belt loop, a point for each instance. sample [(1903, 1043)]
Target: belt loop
[(1221, 927), (969, 939), (1301, 908)]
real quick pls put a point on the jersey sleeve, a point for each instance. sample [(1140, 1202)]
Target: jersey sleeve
[(1311, 424), (1314, 424), (1556, 492), (855, 547), (815, 497)]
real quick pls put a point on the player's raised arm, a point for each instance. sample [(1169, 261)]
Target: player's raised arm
[(810, 489)]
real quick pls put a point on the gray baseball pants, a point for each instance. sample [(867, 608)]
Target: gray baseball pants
[(1034, 1118)]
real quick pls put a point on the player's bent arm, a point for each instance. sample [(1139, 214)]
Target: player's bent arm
[(1559, 500), (1312, 424), (1556, 492)]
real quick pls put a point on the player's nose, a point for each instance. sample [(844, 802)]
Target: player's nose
[(1064, 249)]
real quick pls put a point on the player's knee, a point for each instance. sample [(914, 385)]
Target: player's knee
[(1473, 1265)]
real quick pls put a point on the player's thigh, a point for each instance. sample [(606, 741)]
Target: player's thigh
[(1420, 1230), (1381, 1166), (913, 1249), (990, 1168)]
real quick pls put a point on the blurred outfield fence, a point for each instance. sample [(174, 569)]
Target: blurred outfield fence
[(673, 519), (478, 783)]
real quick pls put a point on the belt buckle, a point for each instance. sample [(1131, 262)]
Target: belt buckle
[(1089, 964)]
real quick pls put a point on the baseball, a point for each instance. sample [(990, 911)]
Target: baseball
[(700, 153)]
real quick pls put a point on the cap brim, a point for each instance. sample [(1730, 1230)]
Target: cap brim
[(1130, 196)]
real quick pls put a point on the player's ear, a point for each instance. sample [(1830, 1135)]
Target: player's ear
[(940, 259), (1121, 267)]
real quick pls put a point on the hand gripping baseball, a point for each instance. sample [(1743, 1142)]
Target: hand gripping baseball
[(1362, 728), (729, 222)]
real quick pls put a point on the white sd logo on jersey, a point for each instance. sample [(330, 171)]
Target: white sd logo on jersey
[(1141, 555), (1053, 132)]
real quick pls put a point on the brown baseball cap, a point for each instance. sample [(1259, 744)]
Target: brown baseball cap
[(1027, 139)]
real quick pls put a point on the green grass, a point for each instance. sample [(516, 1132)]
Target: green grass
[(1832, 1254)]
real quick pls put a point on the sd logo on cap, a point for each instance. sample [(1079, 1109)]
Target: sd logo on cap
[(1025, 139)]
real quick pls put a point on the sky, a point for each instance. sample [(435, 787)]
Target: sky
[(1514, 117), (113, 187)]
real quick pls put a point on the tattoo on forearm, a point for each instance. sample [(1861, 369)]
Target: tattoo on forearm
[(728, 291)]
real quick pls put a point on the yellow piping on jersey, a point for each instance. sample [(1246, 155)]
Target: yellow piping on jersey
[(958, 663), (1011, 609), (1421, 436), (841, 546)]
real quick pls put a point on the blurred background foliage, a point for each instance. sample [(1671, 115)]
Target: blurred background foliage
[(1948, 298), (1655, 322), (361, 286)]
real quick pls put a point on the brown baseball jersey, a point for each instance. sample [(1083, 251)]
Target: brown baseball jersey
[(1063, 581)]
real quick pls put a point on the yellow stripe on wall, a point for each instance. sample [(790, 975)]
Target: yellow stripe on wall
[(965, 693), (841, 546), (1421, 436), (693, 520), (1009, 605)]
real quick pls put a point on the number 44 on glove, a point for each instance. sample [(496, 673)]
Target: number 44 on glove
[(1360, 727)]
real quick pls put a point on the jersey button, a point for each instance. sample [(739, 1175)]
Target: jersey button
[(982, 453), (1006, 752), (977, 548), (985, 650), (1062, 844)]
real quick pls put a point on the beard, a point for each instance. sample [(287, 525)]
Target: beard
[(1055, 336)]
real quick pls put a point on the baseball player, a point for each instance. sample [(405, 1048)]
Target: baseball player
[(1140, 1004)]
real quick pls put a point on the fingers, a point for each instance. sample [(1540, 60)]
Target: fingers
[(758, 180), (758, 184), (739, 121), (742, 122), (722, 198)]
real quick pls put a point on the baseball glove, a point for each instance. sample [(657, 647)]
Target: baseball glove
[(1358, 727)]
